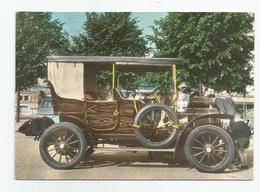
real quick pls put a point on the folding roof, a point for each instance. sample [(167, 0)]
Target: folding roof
[(72, 75), (121, 62)]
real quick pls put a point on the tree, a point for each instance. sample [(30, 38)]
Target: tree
[(216, 47), (37, 36), (111, 34)]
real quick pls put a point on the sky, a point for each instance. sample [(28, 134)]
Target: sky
[(73, 21)]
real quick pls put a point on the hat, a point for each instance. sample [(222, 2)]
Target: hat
[(182, 85), (238, 117)]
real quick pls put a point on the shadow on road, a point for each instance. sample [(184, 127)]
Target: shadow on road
[(128, 159), (138, 159)]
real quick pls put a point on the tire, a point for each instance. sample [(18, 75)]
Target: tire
[(65, 141), (209, 149), (153, 141)]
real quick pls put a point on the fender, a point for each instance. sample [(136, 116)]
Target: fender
[(35, 126), (76, 121)]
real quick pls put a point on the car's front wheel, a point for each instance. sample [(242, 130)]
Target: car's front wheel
[(209, 148)]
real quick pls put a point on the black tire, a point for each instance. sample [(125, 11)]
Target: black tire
[(67, 142), (141, 131), (209, 149)]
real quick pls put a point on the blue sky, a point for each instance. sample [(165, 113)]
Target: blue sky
[(73, 21)]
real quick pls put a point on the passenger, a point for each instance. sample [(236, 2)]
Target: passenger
[(241, 133), (208, 92), (109, 96)]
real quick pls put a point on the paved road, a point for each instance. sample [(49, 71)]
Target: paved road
[(112, 165)]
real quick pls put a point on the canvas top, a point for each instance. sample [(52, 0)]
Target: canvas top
[(137, 61)]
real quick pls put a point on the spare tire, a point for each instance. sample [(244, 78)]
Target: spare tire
[(154, 126)]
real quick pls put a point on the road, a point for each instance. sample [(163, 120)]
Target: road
[(114, 165)]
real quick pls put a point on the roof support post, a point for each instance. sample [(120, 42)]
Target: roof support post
[(174, 85), (113, 75)]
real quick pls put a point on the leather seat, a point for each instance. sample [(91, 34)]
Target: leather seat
[(90, 96)]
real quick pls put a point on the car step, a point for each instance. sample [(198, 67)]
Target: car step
[(132, 149)]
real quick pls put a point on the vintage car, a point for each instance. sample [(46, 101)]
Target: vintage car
[(199, 134)]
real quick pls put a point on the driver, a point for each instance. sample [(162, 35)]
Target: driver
[(182, 99), (183, 88)]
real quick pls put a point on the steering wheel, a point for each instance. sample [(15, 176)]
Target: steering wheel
[(151, 95), (155, 90)]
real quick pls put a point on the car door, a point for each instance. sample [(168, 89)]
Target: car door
[(102, 116)]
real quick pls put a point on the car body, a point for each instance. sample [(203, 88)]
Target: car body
[(86, 121)]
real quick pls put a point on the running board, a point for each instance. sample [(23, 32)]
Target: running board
[(133, 149)]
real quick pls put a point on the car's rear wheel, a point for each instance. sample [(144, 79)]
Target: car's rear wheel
[(63, 146), (209, 148)]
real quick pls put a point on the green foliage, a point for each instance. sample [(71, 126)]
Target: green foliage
[(160, 80), (128, 80), (217, 47), (37, 36), (111, 34)]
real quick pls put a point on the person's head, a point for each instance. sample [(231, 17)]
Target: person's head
[(182, 87), (237, 117)]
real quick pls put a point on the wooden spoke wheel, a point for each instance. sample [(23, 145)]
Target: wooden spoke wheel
[(63, 146), (209, 148)]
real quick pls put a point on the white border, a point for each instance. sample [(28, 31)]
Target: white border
[(7, 75)]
